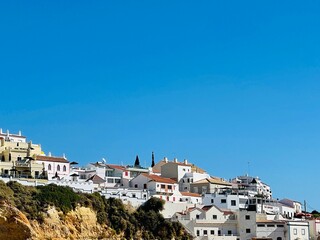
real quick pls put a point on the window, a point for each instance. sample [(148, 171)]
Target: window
[(145, 186), (163, 186), (247, 217), (233, 202), (214, 216), (49, 167), (248, 230), (136, 185), (117, 180), (110, 180), (126, 174), (219, 232), (198, 233), (64, 168), (295, 231), (260, 225), (281, 226), (169, 187), (270, 225), (197, 216), (303, 231), (205, 232), (133, 195), (279, 238), (212, 201), (223, 201), (229, 232), (58, 168), (212, 232)]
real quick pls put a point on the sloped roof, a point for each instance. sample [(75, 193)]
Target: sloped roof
[(157, 178), (213, 181), (189, 194), (96, 179), (122, 168), (51, 159)]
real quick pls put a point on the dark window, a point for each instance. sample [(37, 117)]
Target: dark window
[(163, 186), (233, 202), (229, 232), (136, 185), (169, 187), (49, 167), (223, 201), (205, 232), (212, 201), (64, 168), (260, 225), (247, 217), (58, 168), (212, 232), (145, 186), (198, 233), (214, 216), (197, 216), (248, 230)]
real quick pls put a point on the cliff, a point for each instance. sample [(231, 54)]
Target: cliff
[(80, 223)]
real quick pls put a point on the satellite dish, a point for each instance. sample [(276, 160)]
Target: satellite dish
[(104, 160)]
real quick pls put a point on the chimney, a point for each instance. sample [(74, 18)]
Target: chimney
[(19, 133), (49, 154), (64, 156), (185, 161), (1, 131), (165, 159), (175, 160)]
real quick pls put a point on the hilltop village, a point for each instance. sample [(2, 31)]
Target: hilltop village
[(208, 207)]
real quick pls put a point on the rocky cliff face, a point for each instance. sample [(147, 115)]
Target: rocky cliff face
[(78, 224)]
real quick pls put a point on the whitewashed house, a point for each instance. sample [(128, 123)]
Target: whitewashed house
[(209, 222)]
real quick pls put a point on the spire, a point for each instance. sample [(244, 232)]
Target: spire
[(152, 157), (137, 162)]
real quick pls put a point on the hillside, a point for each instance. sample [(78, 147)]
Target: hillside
[(55, 212)]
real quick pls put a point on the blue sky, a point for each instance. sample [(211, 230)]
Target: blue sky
[(220, 83)]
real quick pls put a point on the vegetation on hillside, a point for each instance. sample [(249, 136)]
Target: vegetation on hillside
[(145, 222)]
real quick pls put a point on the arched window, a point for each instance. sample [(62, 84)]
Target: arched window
[(58, 168), (49, 167), (64, 168), (279, 238)]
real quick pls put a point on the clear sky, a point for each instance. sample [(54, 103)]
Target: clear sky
[(232, 86)]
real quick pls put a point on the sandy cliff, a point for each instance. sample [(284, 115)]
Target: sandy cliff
[(78, 224)]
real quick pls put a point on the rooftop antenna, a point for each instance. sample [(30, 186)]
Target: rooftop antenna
[(248, 168)]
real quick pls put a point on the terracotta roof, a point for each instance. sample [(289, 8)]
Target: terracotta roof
[(96, 179), (51, 159), (157, 178), (213, 181), (116, 167), (189, 194), (206, 208)]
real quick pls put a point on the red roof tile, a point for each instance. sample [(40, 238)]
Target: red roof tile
[(51, 159), (157, 178), (189, 194)]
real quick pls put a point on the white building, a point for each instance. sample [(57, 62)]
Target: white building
[(56, 167), (209, 222), (253, 184)]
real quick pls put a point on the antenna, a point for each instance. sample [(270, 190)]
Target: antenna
[(248, 168)]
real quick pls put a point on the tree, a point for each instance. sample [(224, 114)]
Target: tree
[(152, 164), (153, 204), (137, 162)]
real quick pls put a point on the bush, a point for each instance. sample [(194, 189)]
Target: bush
[(64, 198)]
